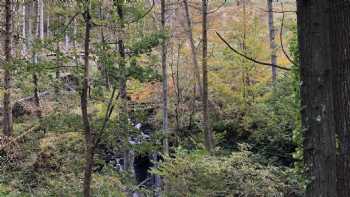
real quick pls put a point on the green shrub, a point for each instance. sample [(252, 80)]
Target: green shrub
[(272, 122), (199, 174)]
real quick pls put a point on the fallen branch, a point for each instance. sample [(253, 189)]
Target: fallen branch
[(33, 128), (249, 58)]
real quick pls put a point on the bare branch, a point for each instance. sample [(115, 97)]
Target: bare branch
[(216, 9), (249, 58), (69, 22), (31, 129), (281, 39), (279, 11), (144, 15), (210, 11)]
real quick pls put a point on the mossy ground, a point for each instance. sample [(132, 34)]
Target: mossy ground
[(54, 167)]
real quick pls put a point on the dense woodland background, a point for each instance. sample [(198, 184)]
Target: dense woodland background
[(174, 98)]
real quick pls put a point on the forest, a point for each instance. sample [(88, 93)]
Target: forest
[(175, 98)]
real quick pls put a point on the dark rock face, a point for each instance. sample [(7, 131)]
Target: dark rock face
[(142, 164), (20, 109)]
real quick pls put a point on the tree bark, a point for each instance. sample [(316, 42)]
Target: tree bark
[(316, 98), (272, 37), (7, 119), (207, 131), (89, 138), (340, 23)]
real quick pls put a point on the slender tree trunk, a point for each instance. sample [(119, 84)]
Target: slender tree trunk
[(197, 75), (272, 37), (245, 69), (7, 121), (39, 33), (41, 19), (124, 119), (58, 64), (58, 60), (193, 109), (66, 37), (207, 131), (104, 69), (179, 91), (74, 43), (28, 26), (316, 98), (176, 84), (36, 92), (165, 81), (89, 138), (164, 98), (340, 18), (193, 47), (23, 12), (48, 32)]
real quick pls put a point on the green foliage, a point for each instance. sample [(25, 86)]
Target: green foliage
[(56, 170), (231, 132), (145, 44), (199, 174), (62, 122), (142, 73), (246, 108), (298, 138), (272, 122)]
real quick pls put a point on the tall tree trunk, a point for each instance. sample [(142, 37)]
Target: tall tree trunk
[(58, 64), (28, 26), (89, 138), (340, 18), (76, 55), (164, 97), (66, 36), (58, 60), (316, 98), (272, 37), (23, 20), (189, 33), (41, 19), (104, 69), (207, 131), (39, 33), (7, 121), (245, 69), (36, 90), (196, 71), (165, 81), (48, 32), (124, 119), (176, 84)]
